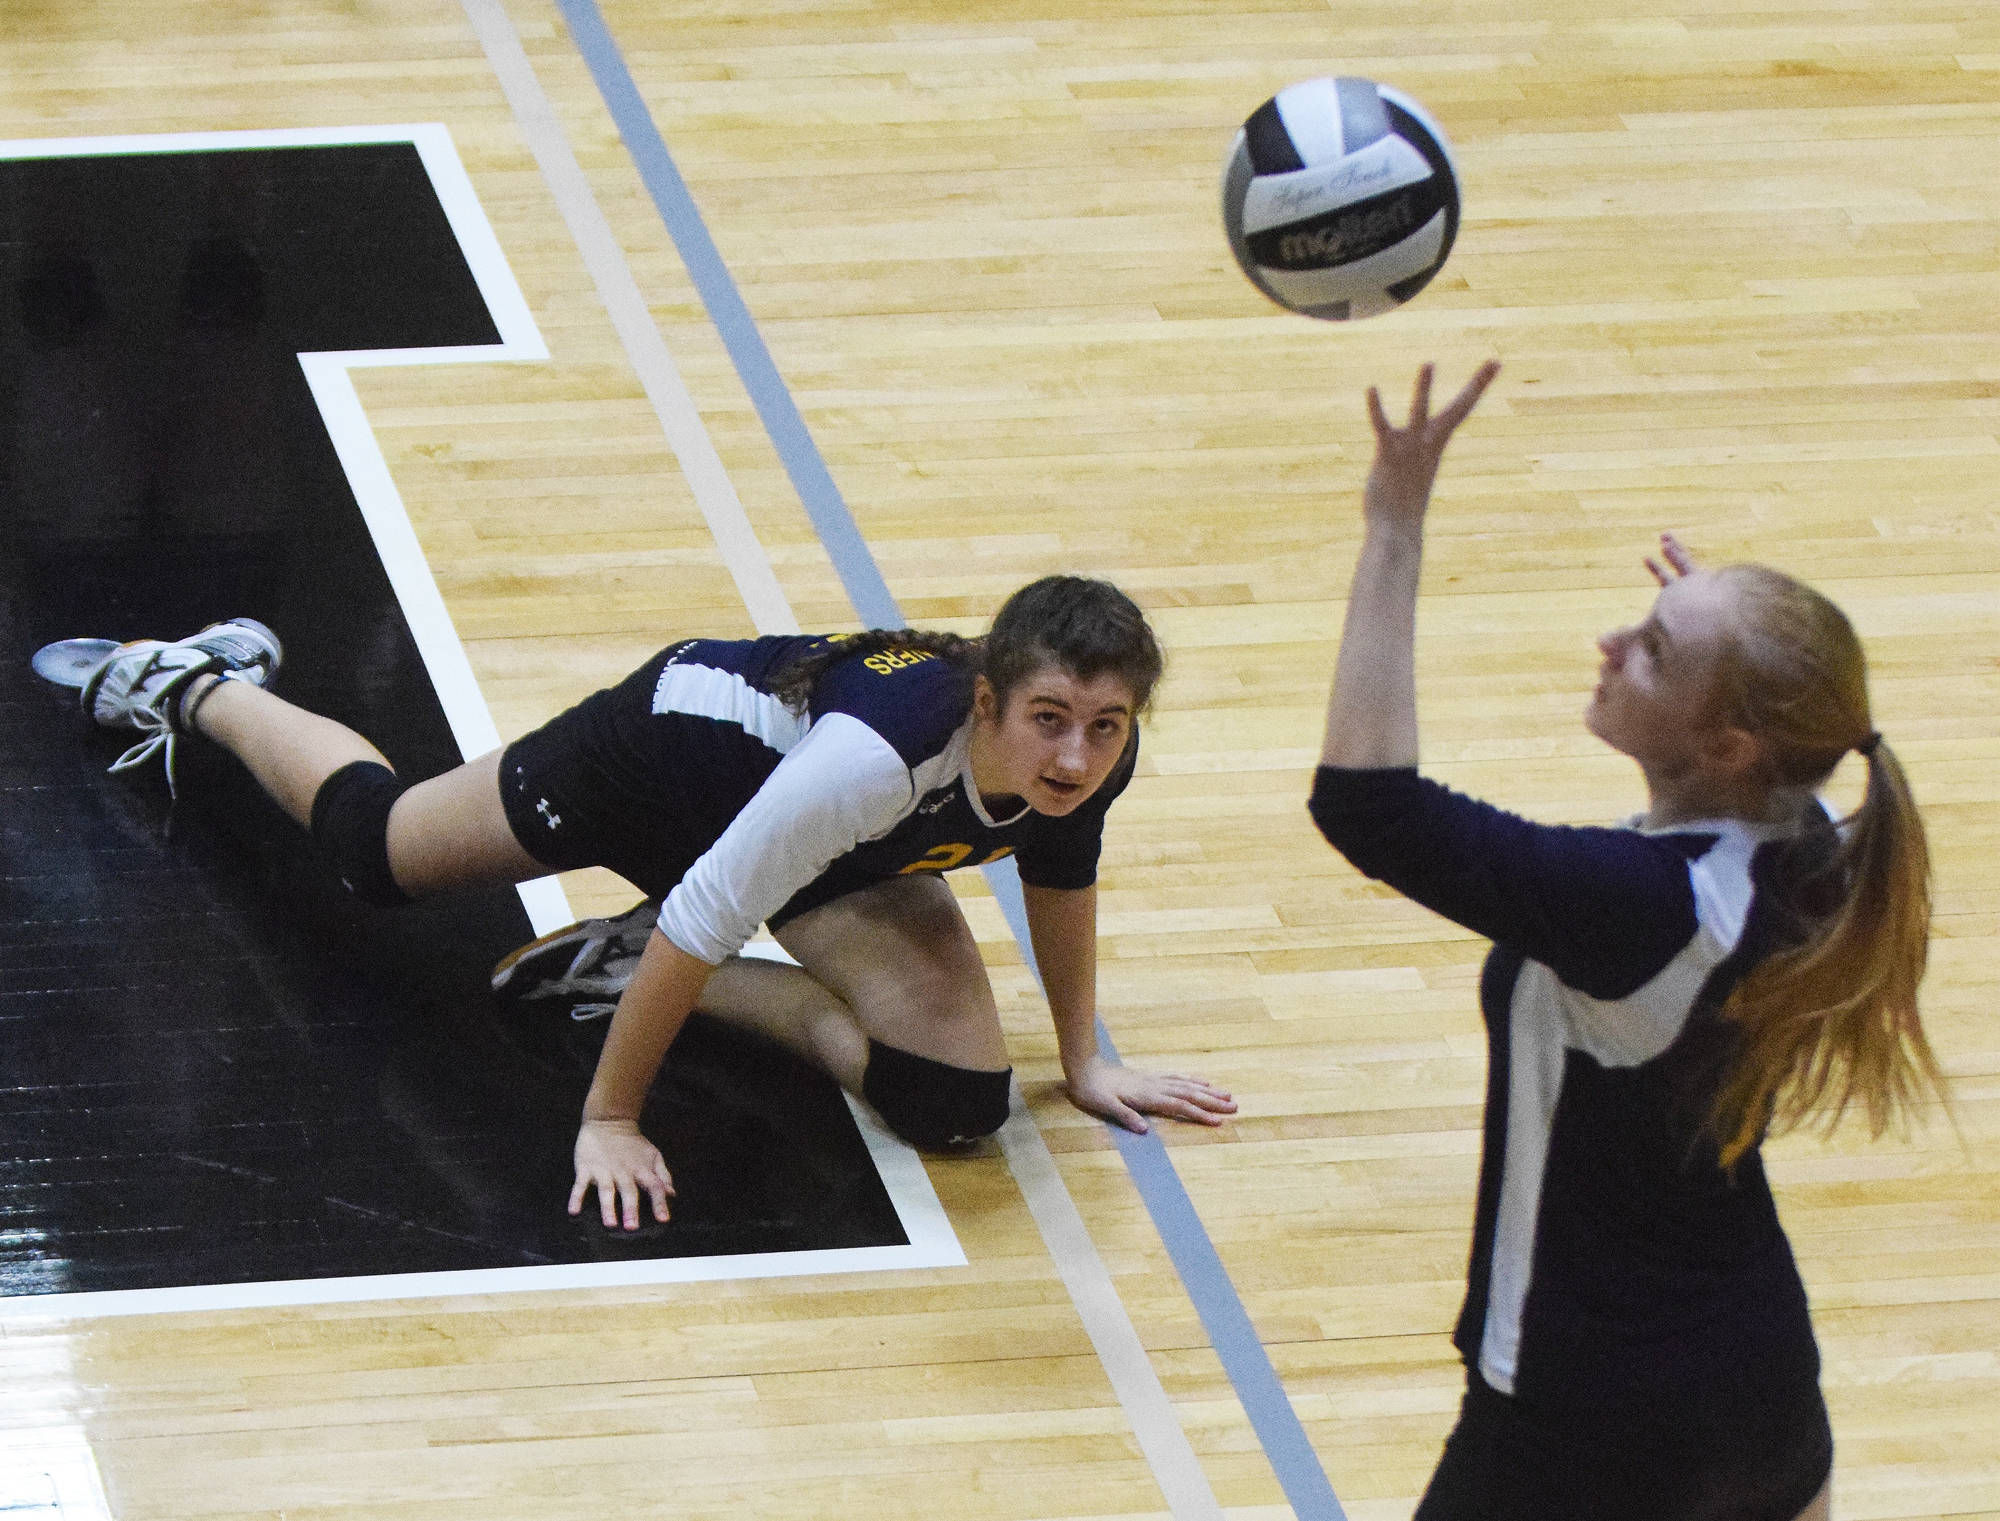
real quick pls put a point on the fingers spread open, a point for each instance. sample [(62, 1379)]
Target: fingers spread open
[(1377, 418), (1468, 397), (1420, 403)]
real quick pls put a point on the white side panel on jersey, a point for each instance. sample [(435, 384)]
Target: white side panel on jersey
[(1548, 1018), (1534, 1083), (841, 784), (1632, 1031), (705, 692), (1276, 200)]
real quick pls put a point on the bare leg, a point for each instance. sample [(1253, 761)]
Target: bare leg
[(896, 962), (290, 751), (784, 1004), (1821, 1508), (450, 831)]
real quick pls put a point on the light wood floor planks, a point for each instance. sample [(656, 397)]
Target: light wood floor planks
[(1743, 269)]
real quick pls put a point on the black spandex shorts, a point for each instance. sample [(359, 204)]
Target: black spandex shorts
[(611, 783), (1748, 1455)]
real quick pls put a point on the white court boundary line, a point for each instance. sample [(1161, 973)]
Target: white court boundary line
[(932, 1244), (49, 1473), (1136, 1383), (931, 1240)]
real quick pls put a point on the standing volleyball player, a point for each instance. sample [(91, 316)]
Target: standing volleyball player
[(819, 785), (1635, 1331)]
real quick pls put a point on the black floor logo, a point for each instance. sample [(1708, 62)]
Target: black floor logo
[(216, 1068)]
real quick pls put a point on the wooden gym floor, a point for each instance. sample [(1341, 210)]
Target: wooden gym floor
[(1742, 266)]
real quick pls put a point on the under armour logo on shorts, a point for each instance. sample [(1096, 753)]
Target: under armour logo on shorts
[(554, 819)]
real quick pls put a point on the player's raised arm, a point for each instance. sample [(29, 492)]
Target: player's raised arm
[(1371, 718)]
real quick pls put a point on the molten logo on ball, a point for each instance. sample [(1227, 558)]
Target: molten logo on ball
[(1353, 235), (1339, 198)]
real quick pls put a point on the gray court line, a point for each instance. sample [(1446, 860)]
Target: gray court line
[(687, 435), (1221, 1309), (1155, 1422), (1230, 1330), (1134, 1381), (768, 392)]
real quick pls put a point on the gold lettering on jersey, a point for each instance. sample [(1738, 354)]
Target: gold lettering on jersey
[(938, 858), (950, 857), (885, 661)]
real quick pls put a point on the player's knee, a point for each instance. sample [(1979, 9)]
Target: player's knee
[(933, 1104), (350, 824)]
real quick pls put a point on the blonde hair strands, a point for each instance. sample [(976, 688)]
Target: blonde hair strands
[(1830, 1021)]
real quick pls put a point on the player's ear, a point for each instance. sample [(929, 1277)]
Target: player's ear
[(985, 701), (1734, 750)]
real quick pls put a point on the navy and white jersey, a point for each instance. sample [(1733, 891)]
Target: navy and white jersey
[(1613, 1261), (691, 778)]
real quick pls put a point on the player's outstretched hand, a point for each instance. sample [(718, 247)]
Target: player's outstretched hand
[(621, 1164), (1674, 561), (1406, 458), (1124, 1095)]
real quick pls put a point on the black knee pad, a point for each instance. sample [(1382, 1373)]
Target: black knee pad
[(350, 824), (933, 1104)]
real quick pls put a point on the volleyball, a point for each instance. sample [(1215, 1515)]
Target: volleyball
[(1340, 198)]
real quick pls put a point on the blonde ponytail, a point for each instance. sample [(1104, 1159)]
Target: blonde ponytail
[(1828, 1022)]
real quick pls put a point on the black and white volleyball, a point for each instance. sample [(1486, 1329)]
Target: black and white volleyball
[(1340, 198)]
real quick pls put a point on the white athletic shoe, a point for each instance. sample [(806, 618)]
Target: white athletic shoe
[(140, 685), (586, 965)]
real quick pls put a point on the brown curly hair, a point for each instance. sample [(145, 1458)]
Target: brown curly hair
[(1085, 626)]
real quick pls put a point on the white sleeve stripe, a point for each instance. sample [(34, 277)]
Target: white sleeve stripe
[(706, 692), (839, 785)]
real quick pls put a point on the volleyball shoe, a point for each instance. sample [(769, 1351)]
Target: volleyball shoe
[(143, 685), (585, 965)]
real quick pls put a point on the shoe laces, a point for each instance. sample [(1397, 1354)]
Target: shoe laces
[(160, 736), (162, 739), (606, 956), (601, 965), (156, 729)]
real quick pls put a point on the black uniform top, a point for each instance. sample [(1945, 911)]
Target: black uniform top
[(1613, 1261), (779, 812)]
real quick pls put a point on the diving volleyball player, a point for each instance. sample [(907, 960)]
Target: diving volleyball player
[(821, 786)]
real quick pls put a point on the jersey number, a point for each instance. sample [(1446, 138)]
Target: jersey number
[(946, 857)]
